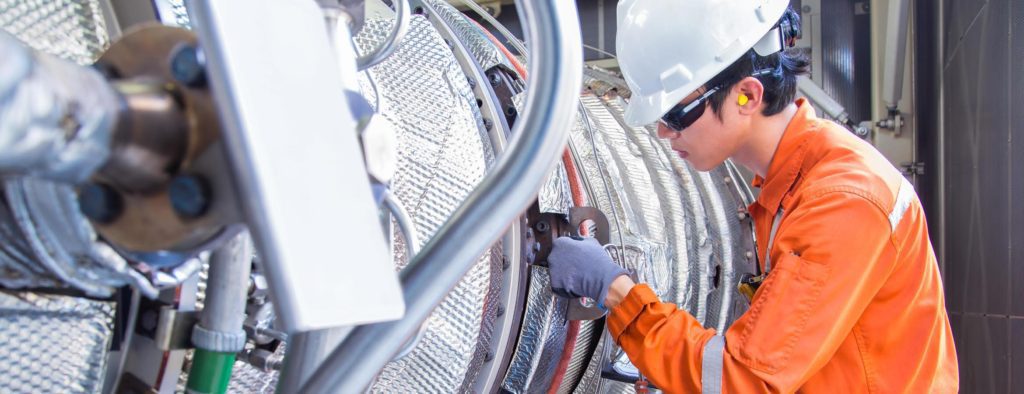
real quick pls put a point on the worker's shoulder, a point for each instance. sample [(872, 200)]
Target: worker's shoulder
[(839, 162)]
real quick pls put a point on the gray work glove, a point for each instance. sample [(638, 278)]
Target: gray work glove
[(580, 267)]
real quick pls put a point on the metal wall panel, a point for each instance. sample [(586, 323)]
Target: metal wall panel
[(982, 91), (984, 354), (959, 15), (1016, 158), (1016, 355), (977, 126), (846, 61)]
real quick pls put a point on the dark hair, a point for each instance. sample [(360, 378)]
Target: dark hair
[(779, 83)]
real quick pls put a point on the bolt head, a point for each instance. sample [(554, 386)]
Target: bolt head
[(100, 203), (190, 196), (187, 66)]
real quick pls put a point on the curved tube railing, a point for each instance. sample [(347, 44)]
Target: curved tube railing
[(538, 140), (386, 48)]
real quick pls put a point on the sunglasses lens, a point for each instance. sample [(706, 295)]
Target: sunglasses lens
[(679, 119)]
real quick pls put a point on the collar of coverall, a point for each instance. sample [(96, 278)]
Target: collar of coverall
[(788, 159)]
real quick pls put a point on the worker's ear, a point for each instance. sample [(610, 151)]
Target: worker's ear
[(749, 93)]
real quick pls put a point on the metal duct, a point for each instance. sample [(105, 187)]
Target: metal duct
[(444, 152), (541, 339), (483, 51)]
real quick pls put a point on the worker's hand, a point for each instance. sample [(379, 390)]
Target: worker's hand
[(582, 268)]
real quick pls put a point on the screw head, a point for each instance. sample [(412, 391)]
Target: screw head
[(495, 79), (187, 66), (542, 227), (190, 196), (100, 203), (511, 111)]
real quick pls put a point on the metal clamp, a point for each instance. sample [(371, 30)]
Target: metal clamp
[(547, 226), (218, 341)]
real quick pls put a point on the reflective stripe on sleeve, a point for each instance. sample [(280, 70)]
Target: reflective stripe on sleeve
[(711, 366)]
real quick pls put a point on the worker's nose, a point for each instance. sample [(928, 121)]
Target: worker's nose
[(666, 132)]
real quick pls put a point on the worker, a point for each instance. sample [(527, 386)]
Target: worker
[(849, 296)]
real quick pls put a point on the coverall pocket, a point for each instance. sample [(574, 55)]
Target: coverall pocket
[(771, 329)]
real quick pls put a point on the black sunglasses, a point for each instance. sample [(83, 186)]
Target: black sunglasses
[(682, 115)]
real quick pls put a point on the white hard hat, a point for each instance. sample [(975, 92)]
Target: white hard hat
[(669, 48)]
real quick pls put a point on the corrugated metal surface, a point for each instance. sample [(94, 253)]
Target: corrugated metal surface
[(71, 29), (53, 344), (846, 56)]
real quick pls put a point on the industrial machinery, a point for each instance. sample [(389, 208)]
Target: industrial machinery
[(271, 165)]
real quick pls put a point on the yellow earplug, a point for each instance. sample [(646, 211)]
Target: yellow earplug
[(742, 100)]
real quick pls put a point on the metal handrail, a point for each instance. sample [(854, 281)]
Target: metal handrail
[(511, 38), (538, 140), (390, 44)]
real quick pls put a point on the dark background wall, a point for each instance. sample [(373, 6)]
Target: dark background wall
[(982, 118)]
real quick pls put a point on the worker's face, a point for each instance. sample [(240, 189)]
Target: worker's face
[(710, 140)]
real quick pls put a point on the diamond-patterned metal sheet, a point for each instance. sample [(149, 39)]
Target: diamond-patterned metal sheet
[(53, 344)]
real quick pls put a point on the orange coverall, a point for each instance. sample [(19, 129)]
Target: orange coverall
[(853, 301)]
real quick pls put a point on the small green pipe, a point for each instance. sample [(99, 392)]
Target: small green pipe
[(211, 372)]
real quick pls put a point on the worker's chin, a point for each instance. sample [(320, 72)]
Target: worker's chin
[(703, 165)]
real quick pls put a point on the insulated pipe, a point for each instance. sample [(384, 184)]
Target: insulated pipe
[(219, 334), (511, 38), (818, 96), (895, 52), (538, 140)]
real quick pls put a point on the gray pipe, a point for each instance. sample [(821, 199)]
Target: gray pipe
[(227, 286), (539, 138)]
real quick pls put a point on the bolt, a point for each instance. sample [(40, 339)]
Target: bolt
[(100, 203), (148, 320), (190, 196), (419, 11), (500, 311), (449, 43), (488, 124), (495, 79), (187, 66), (510, 111), (806, 9), (505, 263), (542, 227), (479, 103), (728, 180), (489, 356), (471, 81), (749, 255)]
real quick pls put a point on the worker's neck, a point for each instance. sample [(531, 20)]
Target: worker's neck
[(758, 150)]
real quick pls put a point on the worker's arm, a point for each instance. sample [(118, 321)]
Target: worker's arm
[(831, 255)]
